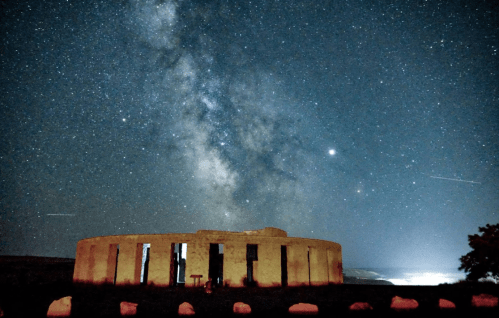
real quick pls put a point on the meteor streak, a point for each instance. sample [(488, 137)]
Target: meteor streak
[(452, 179)]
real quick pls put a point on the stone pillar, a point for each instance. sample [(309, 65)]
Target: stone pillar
[(81, 262), (298, 265), (138, 262), (267, 270), (318, 266), (159, 263), (111, 263), (197, 263), (101, 268), (91, 264), (129, 263), (335, 271), (234, 263), (339, 266)]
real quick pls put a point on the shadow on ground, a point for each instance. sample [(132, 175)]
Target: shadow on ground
[(32, 295)]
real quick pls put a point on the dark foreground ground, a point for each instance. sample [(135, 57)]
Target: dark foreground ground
[(31, 295)]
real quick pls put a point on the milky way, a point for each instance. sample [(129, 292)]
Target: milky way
[(241, 143), (337, 120)]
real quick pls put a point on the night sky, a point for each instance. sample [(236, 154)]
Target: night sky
[(374, 124)]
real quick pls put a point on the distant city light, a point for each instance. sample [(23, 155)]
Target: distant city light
[(426, 278)]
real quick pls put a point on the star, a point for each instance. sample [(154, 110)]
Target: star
[(332, 152)]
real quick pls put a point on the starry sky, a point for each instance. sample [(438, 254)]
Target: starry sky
[(373, 124)]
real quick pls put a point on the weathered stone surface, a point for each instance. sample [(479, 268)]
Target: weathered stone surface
[(484, 300), (310, 261), (360, 306), (186, 309), (128, 309), (446, 304), (304, 309), (60, 307), (241, 308), (399, 303)]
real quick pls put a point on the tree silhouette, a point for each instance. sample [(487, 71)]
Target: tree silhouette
[(483, 260)]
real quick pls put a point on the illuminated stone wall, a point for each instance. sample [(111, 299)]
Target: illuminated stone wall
[(119, 259)]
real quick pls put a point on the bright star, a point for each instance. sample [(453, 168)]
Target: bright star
[(332, 152)]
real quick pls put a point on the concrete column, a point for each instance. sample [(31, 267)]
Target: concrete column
[(91, 264), (298, 265), (234, 263), (138, 262), (335, 270), (318, 266), (81, 262), (111, 263), (102, 266), (339, 266), (197, 263), (267, 270), (129, 263), (159, 263)]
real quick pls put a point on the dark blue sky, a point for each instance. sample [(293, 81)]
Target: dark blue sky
[(174, 116)]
